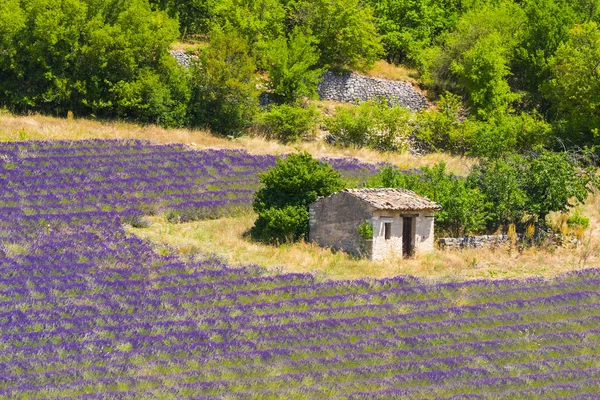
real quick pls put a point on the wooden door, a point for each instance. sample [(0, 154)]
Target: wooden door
[(407, 234)]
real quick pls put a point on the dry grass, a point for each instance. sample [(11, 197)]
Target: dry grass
[(38, 127), (226, 238), (189, 46), (385, 70)]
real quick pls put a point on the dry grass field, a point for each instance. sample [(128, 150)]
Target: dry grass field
[(226, 237), (38, 127)]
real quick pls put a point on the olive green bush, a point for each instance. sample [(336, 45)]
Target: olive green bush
[(289, 123)]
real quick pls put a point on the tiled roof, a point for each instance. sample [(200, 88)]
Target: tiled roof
[(394, 199)]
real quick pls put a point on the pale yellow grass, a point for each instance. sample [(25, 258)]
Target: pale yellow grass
[(226, 238), (385, 70), (39, 127), (190, 46)]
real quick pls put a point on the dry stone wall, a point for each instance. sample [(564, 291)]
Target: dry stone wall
[(352, 87), (472, 241)]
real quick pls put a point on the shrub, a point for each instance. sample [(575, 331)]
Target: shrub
[(578, 220), (281, 225), (288, 123), (442, 130), (372, 124), (289, 187), (365, 230), (346, 32)]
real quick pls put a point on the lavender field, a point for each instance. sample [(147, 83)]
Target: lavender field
[(89, 311)]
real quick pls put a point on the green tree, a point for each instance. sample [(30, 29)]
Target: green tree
[(501, 182), (107, 58), (345, 30), (195, 16), (224, 95), (258, 22), (292, 67), (505, 133), (409, 26), (12, 21), (548, 25), (575, 87), (525, 189), (476, 57), (289, 188), (557, 182)]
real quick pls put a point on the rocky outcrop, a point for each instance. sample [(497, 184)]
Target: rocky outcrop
[(352, 87)]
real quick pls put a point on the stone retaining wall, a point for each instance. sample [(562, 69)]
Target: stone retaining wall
[(349, 87), (356, 88)]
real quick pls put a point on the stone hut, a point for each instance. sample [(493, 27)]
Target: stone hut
[(401, 221)]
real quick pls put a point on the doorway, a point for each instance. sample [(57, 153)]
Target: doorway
[(407, 234)]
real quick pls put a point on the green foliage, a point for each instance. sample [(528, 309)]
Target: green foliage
[(508, 133), (289, 188), (476, 56), (555, 180), (345, 30), (578, 220), (443, 130), (296, 180), (289, 123), (501, 182), (258, 22), (522, 189), (409, 26), (548, 24), (365, 230), (292, 67), (194, 16), (575, 87), (224, 95), (109, 59), (512, 190), (372, 124), (463, 207), (281, 225)]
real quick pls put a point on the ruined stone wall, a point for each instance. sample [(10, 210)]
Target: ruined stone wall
[(356, 88)]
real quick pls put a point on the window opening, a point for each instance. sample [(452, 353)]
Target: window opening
[(387, 230)]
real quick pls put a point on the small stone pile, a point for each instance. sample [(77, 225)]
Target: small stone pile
[(352, 87), (182, 57)]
